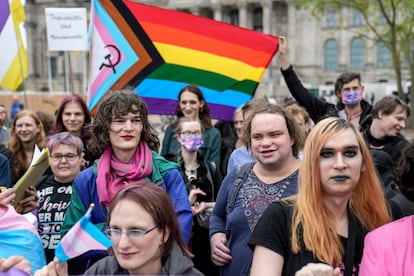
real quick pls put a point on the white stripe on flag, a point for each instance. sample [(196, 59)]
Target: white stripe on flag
[(8, 41)]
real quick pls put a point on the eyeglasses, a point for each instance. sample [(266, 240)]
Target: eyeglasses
[(133, 234), (68, 156), (190, 133)]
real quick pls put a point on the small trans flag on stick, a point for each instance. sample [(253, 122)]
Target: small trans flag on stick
[(82, 237)]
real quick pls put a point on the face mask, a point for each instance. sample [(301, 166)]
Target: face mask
[(192, 144), (351, 98)]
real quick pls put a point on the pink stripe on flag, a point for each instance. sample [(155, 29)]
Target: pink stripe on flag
[(107, 39), (10, 219), (77, 241)]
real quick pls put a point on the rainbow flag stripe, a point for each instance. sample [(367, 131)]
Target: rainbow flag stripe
[(226, 61)]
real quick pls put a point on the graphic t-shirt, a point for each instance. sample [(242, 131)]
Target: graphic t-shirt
[(54, 201)]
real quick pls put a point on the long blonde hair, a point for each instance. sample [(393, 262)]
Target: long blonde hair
[(367, 203)]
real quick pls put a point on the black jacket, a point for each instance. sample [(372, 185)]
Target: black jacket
[(316, 108)]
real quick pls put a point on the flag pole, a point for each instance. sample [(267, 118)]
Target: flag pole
[(88, 213), (26, 102)]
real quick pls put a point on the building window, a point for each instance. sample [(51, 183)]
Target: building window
[(234, 17), (383, 56), (258, 19), (53, 67), (331, 54), (330, 19), (357, 18), (207, 13), (357, 53)]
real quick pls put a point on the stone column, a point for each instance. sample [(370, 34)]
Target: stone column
[(242, 13), (291, 29), (266, 7), (218, 14)]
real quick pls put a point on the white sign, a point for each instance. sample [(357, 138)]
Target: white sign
[(66, 29)]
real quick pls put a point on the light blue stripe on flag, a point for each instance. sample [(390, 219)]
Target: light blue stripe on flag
[(23, 243)]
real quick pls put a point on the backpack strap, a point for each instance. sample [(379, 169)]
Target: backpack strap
[(211, 171), (242, 175)]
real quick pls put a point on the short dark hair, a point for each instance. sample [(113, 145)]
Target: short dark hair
[(345, 78), (387, 105)]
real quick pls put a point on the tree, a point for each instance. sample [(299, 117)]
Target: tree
[(388, 22)]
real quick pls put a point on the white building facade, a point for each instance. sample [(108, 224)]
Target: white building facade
[(318, 49)]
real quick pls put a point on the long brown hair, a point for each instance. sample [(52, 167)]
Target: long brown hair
[(367, 202), (204, 114), (16, 146), (158, 204)]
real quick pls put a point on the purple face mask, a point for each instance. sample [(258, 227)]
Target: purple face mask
[(192, 144), (351, 98)]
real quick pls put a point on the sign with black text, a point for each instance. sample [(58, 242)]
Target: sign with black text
[(66, 29)]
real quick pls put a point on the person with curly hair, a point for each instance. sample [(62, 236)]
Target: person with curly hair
[(127, 145)]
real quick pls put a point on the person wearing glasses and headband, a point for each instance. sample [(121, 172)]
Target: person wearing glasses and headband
[(55, 190), (127, 145), (146, 237)]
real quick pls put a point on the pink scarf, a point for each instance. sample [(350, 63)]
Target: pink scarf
[(114, 175)]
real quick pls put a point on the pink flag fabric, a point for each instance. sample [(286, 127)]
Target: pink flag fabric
[(83, 237)]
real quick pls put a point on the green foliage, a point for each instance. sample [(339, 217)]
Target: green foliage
[(386, 21)]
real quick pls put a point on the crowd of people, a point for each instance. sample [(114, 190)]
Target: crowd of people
[(299, 188)]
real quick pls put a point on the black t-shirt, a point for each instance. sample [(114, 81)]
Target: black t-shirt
[(54, 201), (273, 231)]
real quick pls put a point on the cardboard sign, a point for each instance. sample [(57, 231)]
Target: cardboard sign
[(66, 29)]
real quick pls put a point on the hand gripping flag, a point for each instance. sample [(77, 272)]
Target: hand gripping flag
[(159, 51), (81, 238)]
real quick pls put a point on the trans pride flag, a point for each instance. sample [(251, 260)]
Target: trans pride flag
[(19, 237), (159, 51), (82, 237)]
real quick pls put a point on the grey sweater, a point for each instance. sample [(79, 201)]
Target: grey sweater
[(177, 263)]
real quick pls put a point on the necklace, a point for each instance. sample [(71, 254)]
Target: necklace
[(351, 117)]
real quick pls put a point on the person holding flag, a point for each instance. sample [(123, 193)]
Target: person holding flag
[(128, 145), (146, 237)]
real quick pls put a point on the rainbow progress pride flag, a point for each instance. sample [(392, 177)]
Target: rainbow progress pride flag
[(81, 238), (159, 51)]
